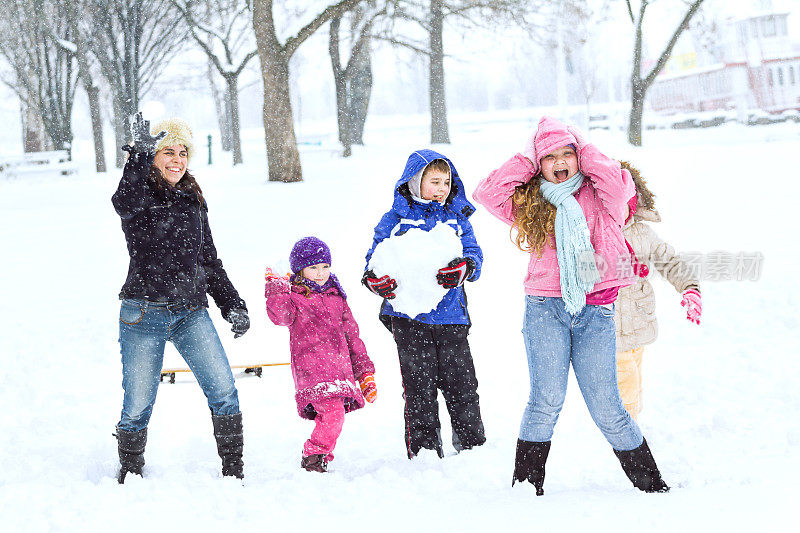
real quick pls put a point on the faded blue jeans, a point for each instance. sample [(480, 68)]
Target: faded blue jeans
[(553, 340), (144, 329)]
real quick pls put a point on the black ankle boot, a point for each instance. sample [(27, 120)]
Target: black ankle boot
[(130, 445), (529, 463), (641, 469), (230, 443)]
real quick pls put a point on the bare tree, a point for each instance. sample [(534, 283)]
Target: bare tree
[(639, 84), (282, 155), (353, 82), (229, 46), (74, 10), (133, 41), (36, 42), (431, 16)]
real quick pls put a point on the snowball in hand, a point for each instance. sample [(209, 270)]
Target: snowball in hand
[(413, 259)]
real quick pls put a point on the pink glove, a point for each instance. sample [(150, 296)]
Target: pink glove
[(694, 305), (275, 284)]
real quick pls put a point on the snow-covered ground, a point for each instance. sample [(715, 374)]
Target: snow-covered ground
[(720, 400)]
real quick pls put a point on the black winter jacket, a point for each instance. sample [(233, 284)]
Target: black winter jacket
[(172, 254)]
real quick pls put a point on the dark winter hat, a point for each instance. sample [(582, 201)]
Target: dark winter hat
[(308, 251)]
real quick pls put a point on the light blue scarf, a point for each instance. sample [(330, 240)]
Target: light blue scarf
[(574, 250)]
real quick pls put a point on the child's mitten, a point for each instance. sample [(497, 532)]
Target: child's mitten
[(368, 387), (694, 305), (275, 284), (456, 272), (383, 286)]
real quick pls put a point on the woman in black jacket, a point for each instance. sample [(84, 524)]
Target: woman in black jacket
[(173, 263)]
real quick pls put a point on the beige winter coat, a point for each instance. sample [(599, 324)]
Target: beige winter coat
[(636, 304)]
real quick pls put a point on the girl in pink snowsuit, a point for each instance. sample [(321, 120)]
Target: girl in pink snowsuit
[(332, 372)]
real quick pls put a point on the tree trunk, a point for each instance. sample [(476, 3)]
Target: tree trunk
[(121, 132), (340, 84), (283, 157), (360, 89), (93, 93), (222, 108), (637, 109), (33, 137), (233, 97), (438, 103)]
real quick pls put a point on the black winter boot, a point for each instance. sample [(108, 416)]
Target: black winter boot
[(130, 445), (315, 463), (529, 463), (641, 469), (230, 443)]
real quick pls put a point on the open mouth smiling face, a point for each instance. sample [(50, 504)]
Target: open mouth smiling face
[(560, 165), (172, 162)]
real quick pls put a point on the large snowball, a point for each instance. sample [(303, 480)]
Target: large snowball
[(413, 259)]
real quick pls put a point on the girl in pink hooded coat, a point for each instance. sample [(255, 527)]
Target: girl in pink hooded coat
[(568, 202), (331, 369)]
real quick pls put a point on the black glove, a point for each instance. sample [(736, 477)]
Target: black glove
[(455, 273), (140, 132), (383, 286), (240, 321)]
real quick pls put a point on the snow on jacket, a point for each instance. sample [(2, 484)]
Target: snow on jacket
[(327, 355), (603, 198), (635, 319), (406, 213), (172, 254)]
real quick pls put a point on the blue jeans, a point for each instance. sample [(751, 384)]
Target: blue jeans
[(553, 339), (144, 329)]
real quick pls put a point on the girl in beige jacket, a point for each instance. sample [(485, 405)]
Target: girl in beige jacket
[(635, 319)]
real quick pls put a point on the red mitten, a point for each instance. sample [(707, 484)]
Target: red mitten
[(694, 305), (368, 387), (275, 284)]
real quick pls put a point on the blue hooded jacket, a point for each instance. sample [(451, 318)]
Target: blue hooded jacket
[(406, 213)]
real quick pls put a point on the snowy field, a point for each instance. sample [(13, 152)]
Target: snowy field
[(721, 401)]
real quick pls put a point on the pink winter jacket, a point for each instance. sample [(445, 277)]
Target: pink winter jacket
[(327, 354), (603, 197)]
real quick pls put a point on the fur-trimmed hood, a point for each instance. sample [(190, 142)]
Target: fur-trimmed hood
[(645, 199)]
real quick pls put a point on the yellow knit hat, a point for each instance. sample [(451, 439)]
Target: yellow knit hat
[(178, 132)]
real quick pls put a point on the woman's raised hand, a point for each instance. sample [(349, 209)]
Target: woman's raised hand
[(140, 132)]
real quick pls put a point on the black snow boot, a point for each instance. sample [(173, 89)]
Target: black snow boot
[(529, 463), (130, 445), (315, 463), (641, 469), (230, 443)]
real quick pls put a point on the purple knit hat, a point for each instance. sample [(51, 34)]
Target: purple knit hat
[(308, 251)]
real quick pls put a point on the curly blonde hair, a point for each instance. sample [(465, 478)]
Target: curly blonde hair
[(534, 217)]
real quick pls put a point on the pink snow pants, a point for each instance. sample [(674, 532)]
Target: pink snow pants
[(328, 427)]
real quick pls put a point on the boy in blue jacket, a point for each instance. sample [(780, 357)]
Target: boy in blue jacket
[(432, 347)]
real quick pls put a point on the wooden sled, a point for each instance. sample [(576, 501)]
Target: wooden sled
[(248, 369)]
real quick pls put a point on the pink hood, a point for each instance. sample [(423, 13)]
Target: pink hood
[(327, 354), (603, 197)]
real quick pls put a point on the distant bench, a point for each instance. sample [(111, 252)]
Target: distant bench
[(37, 163)]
